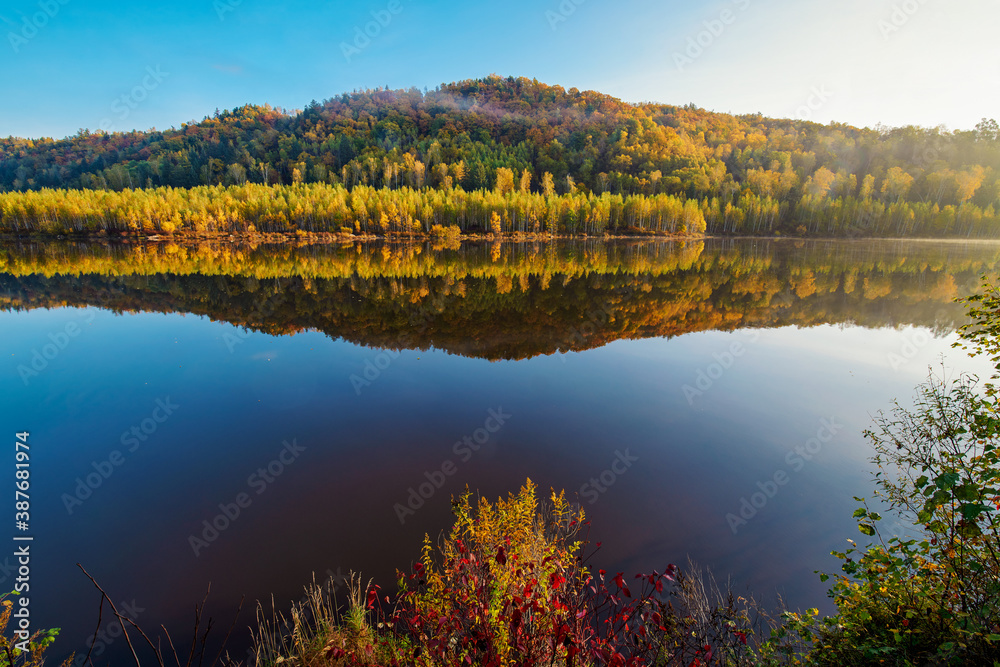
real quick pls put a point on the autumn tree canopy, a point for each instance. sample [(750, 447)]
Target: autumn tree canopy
[(746, 174)]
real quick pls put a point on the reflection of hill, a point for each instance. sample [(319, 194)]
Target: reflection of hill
[(510, 301)]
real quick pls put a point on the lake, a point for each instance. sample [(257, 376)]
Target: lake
[(246, 416)]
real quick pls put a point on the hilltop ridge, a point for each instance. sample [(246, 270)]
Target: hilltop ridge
[(749, 174)]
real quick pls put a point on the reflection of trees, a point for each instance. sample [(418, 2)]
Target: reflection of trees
[(532, 299)]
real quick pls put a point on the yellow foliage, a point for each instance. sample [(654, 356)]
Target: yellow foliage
[(536, 545)]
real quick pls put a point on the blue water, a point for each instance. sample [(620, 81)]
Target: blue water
[(323, 465)]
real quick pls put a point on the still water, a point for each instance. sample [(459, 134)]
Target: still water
[(321, 405)]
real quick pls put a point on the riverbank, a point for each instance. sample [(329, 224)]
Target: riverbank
[(305, 237)]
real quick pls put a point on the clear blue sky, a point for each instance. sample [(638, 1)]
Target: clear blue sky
[(68, 64)]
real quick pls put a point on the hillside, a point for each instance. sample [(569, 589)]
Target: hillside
[(747, 174)]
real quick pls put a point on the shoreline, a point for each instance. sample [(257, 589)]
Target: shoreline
[(339, 237), (330, 238)]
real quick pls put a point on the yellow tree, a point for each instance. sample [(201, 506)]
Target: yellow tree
[(897, 184), (505, 181), (441, 175), (525, 182), (496, 224), (968, 181), (458, 172), (548, 184), (820, 182)]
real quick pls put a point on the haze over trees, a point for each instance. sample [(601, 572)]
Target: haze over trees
[(579, 158)]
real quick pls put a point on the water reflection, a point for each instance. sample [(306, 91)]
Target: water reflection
[(510, 301), (443, 341)]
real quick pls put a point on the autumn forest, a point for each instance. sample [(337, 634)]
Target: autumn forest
[(504, 156)]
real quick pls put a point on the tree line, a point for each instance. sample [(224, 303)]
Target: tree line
[(746, 174), (363, 210)]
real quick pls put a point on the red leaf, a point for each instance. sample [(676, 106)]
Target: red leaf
[(621, 584), (372, 596)]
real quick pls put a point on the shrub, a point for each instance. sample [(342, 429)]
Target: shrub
[(37, 644), (932, 594), (503, 588)]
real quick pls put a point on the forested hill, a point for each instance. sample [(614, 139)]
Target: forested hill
[(748, 174)]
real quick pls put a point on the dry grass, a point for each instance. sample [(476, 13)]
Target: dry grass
[(317, 631)]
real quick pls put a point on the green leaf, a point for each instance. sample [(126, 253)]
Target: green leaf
[(860, 513), (973, 510), (937, 526), (946, 480), (866, 528), (967, 492), (939, 498), (921, 481)]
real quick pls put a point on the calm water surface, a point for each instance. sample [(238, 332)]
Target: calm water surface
[(325, 388)]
